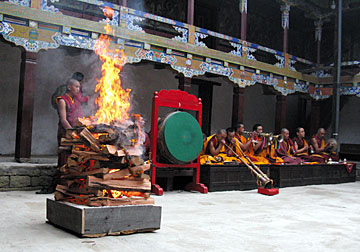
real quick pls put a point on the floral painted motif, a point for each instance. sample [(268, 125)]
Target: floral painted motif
[(216, 69), (25, 3), (31, 45), (6, 28), (51, 8), (238, 51), (130, 23), (280, 64), (184, 38), (187, 72), (202, 36), (74, 41)]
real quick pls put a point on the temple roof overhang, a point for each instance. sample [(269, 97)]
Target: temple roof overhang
[(38, 25)]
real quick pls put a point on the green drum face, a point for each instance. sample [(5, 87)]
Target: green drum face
[(180, 138)]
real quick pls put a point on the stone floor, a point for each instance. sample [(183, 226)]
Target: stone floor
[(310, 218)]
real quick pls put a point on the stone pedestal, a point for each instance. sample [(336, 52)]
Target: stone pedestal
[(87, 221)]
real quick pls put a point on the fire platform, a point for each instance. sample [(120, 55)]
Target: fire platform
[(87, 221)]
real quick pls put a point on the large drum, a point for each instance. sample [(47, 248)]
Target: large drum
[(180, 138)]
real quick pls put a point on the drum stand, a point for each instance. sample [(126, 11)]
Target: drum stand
[(176, 99)]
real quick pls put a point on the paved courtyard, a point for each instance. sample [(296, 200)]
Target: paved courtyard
[(310, 218)]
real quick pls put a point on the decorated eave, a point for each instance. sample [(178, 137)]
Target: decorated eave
[(42, 24)]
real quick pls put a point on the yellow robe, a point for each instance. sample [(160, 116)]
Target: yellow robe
[(267, 151), (206, 158), (258, 160)]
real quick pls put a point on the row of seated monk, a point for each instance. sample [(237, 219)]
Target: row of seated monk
[(231, 145)]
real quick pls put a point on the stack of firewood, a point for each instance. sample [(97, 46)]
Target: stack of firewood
[(103, 167)]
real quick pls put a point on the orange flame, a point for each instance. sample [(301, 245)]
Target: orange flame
[(108, 12), (119, 194), (113, 100)]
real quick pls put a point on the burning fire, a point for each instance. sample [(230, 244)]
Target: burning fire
[(113, 100)]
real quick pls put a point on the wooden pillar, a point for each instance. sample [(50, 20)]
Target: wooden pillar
[(190, 11), (124, 3), (301, 112), (238, 106), (185, 84), (285, 9), (280, 113), (25, 106), (318, 33), (243, 11), (314, 117)]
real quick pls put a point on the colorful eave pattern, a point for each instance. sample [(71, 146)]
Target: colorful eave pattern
[(37, 25)]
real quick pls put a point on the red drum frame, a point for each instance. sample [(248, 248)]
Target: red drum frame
[(179, 100)]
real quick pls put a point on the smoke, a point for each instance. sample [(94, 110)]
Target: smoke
[(137, 5)]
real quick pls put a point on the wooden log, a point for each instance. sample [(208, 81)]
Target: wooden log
[(86, 155), (138, 170), (112, 150), (70, 142), (83, 122), (120, 201), (137, 160), (109, 138), (120, 185), (86, 134), (72, 160), (65, 191), (71, 175), (72, 133), (117, 175), (66, 149)]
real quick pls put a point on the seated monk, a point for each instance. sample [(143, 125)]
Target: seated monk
[(247, 145), (262, 148), (302, 148), (230, 152), (211, 148), (322, 149), (286, 150)]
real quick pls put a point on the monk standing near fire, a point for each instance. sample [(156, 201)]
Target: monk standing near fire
[(68, 109)]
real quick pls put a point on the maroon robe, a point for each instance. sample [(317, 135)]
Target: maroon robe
[(305, 154), (325, 155), (73, 111), (284, 153)]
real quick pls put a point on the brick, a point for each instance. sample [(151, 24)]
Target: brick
[(19, 181), (4, 181)]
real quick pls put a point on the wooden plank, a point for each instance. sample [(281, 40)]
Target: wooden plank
[(138, 170), (70, 142), (126, 184), (86, 155), (85, 173), (113, 150), (88, 221), (117, 175), (119, 202), (94, 144)]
